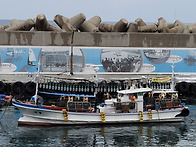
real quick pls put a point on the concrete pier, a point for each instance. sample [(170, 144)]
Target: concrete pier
[(98, 39)]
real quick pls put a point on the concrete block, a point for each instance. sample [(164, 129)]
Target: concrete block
[(96, 20), (192, 28), (22, 26), (161, 24), (133, 27), (90, 25), (42, 24), (71, 24), (14, 22), (60, 20), (104, 27), (140, 22), (148, 28), (120, 26), (3, 27)]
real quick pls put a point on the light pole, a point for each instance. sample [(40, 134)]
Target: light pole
[(71, 59)]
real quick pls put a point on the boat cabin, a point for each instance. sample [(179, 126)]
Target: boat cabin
[(130, 100)]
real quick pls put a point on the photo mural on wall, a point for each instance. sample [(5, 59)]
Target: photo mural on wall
[(57, 59)]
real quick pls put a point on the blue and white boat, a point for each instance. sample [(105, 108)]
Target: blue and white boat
[(130, 106)]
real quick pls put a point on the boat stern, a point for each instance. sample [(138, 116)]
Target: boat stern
[(184, 113)]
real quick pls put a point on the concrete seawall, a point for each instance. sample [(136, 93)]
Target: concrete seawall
[(97, 39)]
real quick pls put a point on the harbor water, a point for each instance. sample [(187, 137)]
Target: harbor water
[(165, 134)]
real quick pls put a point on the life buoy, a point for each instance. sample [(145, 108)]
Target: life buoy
[(70, 99), (134, 98), (2, 86), (162, 95), (30, 87), (175, 96), (18, 87), (85, 99), (91, 110)]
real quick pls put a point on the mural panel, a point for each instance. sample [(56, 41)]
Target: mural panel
[(56, 59)]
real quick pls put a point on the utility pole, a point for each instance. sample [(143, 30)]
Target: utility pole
[(71, 59)]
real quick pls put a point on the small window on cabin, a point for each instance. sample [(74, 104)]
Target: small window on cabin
[(120, 95)]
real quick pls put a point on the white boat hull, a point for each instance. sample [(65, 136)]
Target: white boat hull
[(39, 116)]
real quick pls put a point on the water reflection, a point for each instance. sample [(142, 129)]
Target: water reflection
[(118, 135), (148, 135)]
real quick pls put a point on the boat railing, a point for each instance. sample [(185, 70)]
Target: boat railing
[(168, 103)]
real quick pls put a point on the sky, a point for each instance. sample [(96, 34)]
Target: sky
[(107, 10)]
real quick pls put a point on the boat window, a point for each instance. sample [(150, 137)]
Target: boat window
[(140, 94), (120, 95)]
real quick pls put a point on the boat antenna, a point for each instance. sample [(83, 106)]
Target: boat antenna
[(71, 59), (37, 77), (96, 80)]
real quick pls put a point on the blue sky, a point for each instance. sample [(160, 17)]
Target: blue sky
[(108, 10)]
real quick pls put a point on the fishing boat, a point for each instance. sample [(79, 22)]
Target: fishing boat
[(134, 105)]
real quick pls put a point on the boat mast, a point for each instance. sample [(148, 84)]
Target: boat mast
[(173, 59), (37, 78), (96, 80), (172, 78)]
